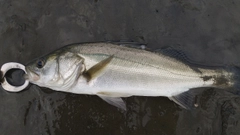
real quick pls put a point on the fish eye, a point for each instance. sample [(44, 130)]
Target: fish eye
[(40, 63)]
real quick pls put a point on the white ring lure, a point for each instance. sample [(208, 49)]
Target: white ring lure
[(11, 65)]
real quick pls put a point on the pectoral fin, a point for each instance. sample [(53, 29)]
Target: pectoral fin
[(115, 101), (97, 69)]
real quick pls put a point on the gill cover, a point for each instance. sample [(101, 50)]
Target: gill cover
[(58, 71), (70, 67)]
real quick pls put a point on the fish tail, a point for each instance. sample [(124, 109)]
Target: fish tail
[(234, 81), (222, 77), (228, 77)]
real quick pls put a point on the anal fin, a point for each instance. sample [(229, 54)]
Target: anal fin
[(115, 101), (187, 100)]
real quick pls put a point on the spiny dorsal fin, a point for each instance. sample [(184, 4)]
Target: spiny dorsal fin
[(96, 70), (130, 44)]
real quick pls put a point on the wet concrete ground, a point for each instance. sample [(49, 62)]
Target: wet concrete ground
[(206, 30)]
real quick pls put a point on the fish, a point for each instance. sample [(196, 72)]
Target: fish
[(114, 71)]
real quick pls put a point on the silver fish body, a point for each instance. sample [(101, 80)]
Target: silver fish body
[(112, 71)]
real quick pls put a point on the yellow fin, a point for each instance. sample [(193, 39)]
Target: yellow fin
[(96, 70)]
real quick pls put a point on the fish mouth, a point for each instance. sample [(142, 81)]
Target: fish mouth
[(31, 75)]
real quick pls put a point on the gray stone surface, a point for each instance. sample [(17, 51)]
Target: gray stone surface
[(206, 30)]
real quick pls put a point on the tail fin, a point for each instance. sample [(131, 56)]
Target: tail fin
[(223, 77), (235, 79), (228, 78)]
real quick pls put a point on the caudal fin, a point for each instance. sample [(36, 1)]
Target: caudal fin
[(223, 77), (234, 81)]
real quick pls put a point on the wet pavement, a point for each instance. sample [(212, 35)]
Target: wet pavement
[(206, 30)]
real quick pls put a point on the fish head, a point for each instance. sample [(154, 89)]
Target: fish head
[(58, 71)]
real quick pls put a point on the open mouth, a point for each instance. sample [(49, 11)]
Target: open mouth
[(31, 75)]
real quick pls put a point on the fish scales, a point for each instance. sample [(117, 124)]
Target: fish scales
[(135, 56), (135, 71)]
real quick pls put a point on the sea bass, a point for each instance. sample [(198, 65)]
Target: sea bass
[(112, 71)]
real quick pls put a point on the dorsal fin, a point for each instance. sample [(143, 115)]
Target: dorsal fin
[(178, 55), (175, 53), (131, 44), (183, 57)]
